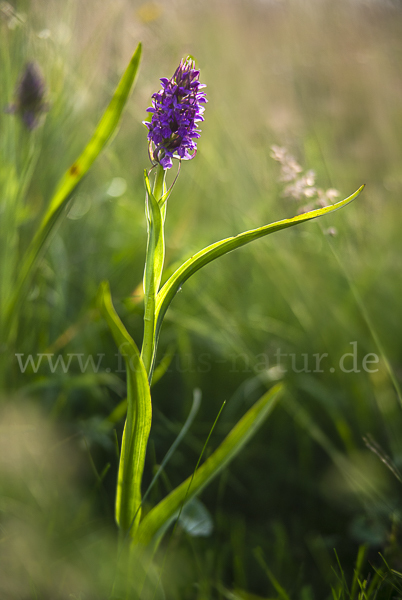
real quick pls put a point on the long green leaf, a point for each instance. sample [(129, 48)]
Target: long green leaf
[(231, 445), (58, 203), (207, 255), (101, 136), (138, 422)]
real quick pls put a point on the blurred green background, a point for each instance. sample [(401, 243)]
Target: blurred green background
[(322, 79)]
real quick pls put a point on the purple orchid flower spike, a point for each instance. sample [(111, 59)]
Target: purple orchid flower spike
[(30, 94), (176, 109)]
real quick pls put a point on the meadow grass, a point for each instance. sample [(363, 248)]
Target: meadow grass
[(321, 79)]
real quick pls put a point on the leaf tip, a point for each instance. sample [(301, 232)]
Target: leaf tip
[(138, 51)]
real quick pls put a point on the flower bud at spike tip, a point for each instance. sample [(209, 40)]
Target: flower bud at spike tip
[(30, 93), (176, 109)]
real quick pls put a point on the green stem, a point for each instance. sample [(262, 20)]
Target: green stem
[(150, 286)]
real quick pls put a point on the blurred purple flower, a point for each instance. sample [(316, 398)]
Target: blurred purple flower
[(176, 109), (29, 96)]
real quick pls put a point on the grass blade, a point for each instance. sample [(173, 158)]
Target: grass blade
[(228, 449), (103, 132), (56, 209), (282, 594), (361, 557), (193, 412)]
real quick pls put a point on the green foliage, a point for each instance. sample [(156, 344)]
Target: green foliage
[(68, 183), (137, 428), (321, 78), (138, 422), (163, 513)]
